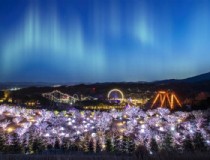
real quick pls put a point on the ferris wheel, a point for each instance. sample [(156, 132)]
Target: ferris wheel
[(115, 95)]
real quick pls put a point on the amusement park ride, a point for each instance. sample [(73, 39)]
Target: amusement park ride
[(166, 99), (163, 99), (59, 97), (115, 95)]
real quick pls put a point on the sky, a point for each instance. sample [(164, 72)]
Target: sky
[(103, 40)]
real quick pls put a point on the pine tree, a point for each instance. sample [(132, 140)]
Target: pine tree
[(42, 145), (30, 142), (57, 144), (118, 144), (25, 144), (49, 146), (38, 145), (85, 144), (167, 143), (131, 145), (125, 144), (141, 152), (35, 146), (199, 143), (16, 146), (2, 142), (187, 144), (98, 146), (65, 144), (91, 146), (153, 146), (73, 147), (109, 145)]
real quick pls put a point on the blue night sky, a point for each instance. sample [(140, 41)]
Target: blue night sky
[(103, 40)]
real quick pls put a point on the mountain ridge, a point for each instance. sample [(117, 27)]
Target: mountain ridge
[(193, 79)]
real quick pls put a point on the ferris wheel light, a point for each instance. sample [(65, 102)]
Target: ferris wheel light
[(115, 90)]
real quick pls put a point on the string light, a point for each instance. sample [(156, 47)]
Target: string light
[(49, 124)]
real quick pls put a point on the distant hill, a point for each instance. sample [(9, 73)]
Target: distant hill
[(194, 79), (199, 78)]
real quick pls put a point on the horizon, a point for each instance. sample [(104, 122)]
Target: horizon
[(90, 83), (90, 41)]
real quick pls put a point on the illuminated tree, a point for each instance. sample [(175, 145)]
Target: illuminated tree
[(25, 143), (85, 144), (42, 125), (124, 146), (119, 144), (30, 143)]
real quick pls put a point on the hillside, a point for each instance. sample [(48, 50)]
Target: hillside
[(199, 78)]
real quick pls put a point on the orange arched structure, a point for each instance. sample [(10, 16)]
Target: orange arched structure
[(166, 99)]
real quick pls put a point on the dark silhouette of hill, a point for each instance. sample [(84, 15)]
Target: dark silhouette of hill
[(199, 78)]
